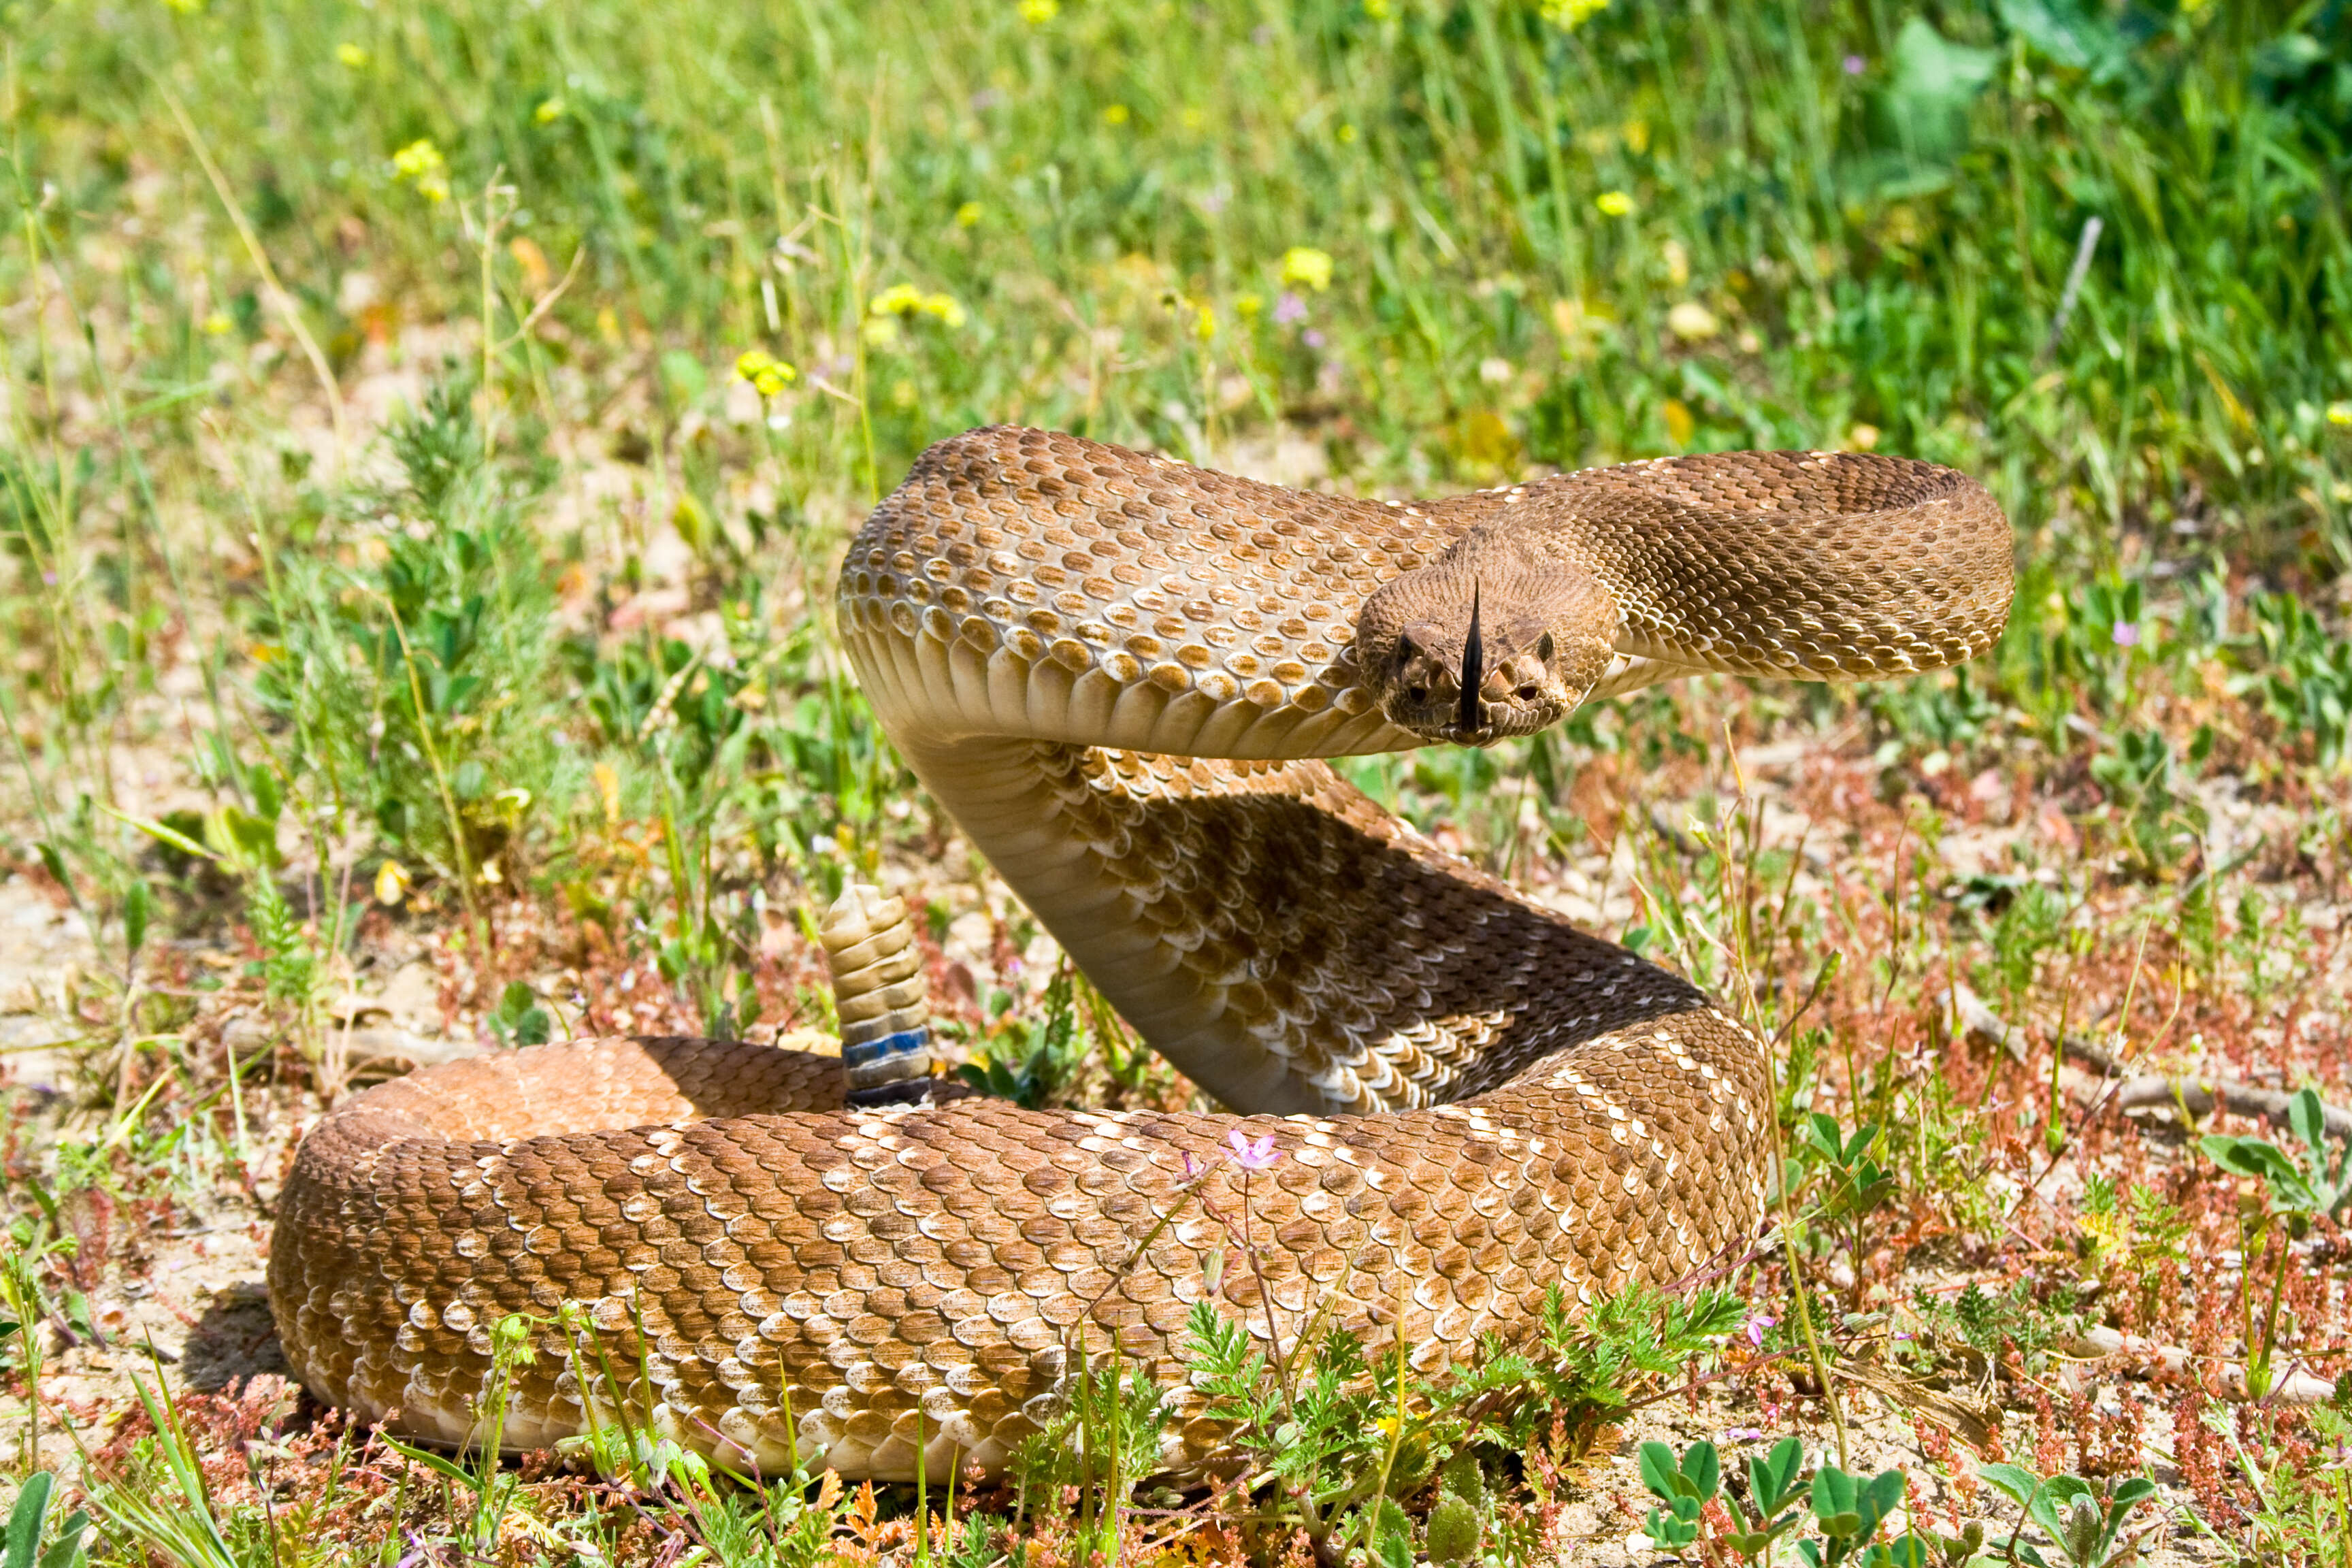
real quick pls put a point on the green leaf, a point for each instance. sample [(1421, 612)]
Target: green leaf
[(2248, 1156), (56, 864), (1879, 1497), (163, 833), (1907, 1551), (1452, 1530), (1659, 1472), (1702, 1470), (2026, 1489), (65, 1552), (1675, 1527), (1772, 1478), (268, 803), (251, 838), (1923, 109), (2068, 35), (2309, 1120), (437, 1463), (138, 909), (24, 1521), (2291, 1191), (1837, 1498), (2020, 1485)]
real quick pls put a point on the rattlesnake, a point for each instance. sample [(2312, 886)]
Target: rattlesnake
[(1119, 674)]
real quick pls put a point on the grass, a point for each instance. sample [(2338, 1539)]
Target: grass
[(426, 435)]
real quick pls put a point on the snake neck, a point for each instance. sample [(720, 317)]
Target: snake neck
[(1282, 939)]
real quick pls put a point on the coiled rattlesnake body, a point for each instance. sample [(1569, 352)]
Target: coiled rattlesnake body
[(1119, 675)]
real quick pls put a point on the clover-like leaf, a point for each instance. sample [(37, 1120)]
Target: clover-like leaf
[(1772, 1478), (1702, 1469), (1877, 1498)]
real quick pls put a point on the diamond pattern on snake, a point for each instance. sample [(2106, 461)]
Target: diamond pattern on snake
[(1124, 678)]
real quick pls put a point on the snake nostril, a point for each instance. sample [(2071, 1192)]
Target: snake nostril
[(1416, 693)]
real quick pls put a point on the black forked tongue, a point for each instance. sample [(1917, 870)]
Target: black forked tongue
[(1473, 670)]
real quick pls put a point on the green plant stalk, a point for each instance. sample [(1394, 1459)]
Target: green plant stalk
[(22, 1296), (279, 298), (1780, 1161), (440, 780), (490, 323), (575, 1326), (1114, 1414), (1312, 1510), (1396, 1440), (58, 509), (948, 1519), (922, 1494), (2258, 1371), (489, 1492), (189, 1533), (312, 745), (153, 510), (1804, 1297), (236, 1109), (1086, 1448)]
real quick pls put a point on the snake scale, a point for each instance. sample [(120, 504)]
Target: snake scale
[(1122, 675)]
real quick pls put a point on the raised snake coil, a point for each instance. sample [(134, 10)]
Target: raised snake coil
[(1118, 674)]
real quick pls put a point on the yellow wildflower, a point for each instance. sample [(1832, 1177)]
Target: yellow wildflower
[(421, 164), (2339, 414), (1692, 321), (1613, 203), (1037, 13), (549, 111), (1304, 264), (767, 374), (218, 323), (391, 882), (608, 792), (1115, 115), (1570, 14), (967, 214), (352, 55), (906, 300)]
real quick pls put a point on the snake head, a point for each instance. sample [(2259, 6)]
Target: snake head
[(1491, 640)]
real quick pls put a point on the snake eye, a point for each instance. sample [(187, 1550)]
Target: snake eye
[(1543, 648)]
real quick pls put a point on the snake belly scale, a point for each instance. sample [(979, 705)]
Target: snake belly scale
[(1122, 675)]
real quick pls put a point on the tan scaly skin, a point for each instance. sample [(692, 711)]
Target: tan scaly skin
[(1121, 675)]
